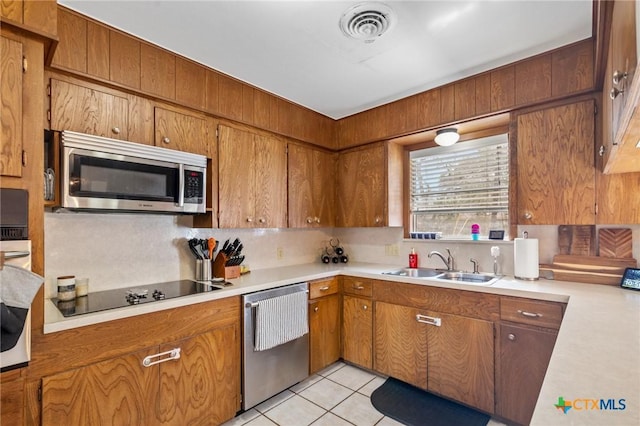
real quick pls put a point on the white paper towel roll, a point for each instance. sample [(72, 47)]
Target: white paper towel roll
[(525, 258)]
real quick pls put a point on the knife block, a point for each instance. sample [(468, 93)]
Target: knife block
[(220, 270)]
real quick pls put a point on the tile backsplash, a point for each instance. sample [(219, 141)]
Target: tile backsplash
[(124, 250)]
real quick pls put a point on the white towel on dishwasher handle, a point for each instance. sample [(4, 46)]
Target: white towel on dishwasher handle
[(280, 320)]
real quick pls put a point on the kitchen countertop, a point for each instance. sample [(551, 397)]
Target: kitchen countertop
[(595, 356)]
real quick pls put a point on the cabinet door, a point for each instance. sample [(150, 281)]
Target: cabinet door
[(555, 165), (361, 187), (85, 110), (11, 113), (181, 132), (400, 344), (270, 182), (12, 401), (623, 54), (324, 332), (461, 359), (119, 391), (300, 187), (615, 206), (357, 330), (236, 176), (205, 382), (324, 188), (524, 356)]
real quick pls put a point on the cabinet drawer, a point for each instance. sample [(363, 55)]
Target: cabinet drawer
[(357, 286), (323, 288), (525, 311)]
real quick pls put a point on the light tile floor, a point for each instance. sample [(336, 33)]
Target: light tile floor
[(336, 396)]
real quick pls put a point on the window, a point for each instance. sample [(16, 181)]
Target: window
[(457, 186)]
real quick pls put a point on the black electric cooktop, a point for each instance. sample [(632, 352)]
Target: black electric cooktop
[(112, 299)]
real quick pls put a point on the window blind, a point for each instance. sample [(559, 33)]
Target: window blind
[(468, 177)]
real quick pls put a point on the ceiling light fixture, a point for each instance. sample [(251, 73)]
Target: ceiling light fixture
[(367, 21), (447, 137)]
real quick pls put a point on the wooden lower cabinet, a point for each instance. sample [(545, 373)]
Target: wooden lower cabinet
[(450, 355), (357, 331), (324, 332), (524, 356), (199, 387), (12, 398)]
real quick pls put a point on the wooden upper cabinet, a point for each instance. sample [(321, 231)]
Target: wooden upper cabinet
[(87, 110), (555, 165), (483, 94), (40, 15), (229, 97), (97, 50), (11, 113), (465, 99), (503, 88), (447, 104), (190, 83), (615, 206), (533, 80), (572, 69), (71, 52), (124, 59), (180, 131), (252, 190), (311, 187), (157, 71), (362, 187)]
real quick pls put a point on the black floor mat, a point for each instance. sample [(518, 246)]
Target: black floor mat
[(415, 407)]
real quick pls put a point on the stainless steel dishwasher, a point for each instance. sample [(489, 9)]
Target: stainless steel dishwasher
[(268, 372)]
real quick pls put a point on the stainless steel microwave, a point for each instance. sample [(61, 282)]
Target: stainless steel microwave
[(107, 174)]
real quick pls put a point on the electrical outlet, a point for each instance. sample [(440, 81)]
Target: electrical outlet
[(391, 250), (279, 253)]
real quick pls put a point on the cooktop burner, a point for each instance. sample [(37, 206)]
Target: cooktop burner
[(112, 299)]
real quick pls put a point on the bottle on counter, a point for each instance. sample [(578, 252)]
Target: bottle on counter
[(475, 231), (413, 259)]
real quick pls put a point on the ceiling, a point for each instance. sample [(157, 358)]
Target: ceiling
[(295, 49)]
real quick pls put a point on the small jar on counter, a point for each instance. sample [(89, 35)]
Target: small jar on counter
[(82, 287), (66, 288)]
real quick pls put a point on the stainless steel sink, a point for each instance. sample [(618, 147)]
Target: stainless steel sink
[(481, 279), (439, 274), (415, 272)]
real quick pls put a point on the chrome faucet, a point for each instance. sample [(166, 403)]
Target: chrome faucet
[(475, 265), (448, 261)]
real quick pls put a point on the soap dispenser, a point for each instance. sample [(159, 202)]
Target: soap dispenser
[(413, 259)]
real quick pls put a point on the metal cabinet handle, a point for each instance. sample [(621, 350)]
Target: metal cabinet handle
[(529, 314), (166, 140), (601, 151), (116, 130), (528, 215), (148, 361), (249, 220), (261, 220), (365, 307), (317, 220), (325, 288), (618, 76), (511, 337), (309, 220), (615, 92), (429, 320), (358, 287), (315, 309)]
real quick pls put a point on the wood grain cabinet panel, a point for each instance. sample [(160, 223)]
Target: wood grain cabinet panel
[(465, 99), (124, 59), (11, 113), (12, 10), (229, 97), (447, 104), (324, 326), (555, 165), (311, 187), (357, 331), (116, 391), (503, 89), (86, 110), (572, 69), (190, 83), (483, 94), (204, 383), (182, 132), (533, 80), (524, 357), (40, 15), (362, 187), (615, 206), (428, 105), (157, 71), (71, 52), (12, 398), (252, 180), (400, 344), (97, 50)]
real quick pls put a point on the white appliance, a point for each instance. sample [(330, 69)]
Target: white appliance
[(18, 253), (109, 174)]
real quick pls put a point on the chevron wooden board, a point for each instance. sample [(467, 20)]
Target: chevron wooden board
[(615, 242)]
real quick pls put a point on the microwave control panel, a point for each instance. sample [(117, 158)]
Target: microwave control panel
[(193, 186)]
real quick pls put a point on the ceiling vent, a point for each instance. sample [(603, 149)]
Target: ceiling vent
[(367, 21)]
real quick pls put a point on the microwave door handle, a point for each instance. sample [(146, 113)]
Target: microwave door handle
[(181, 185)]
